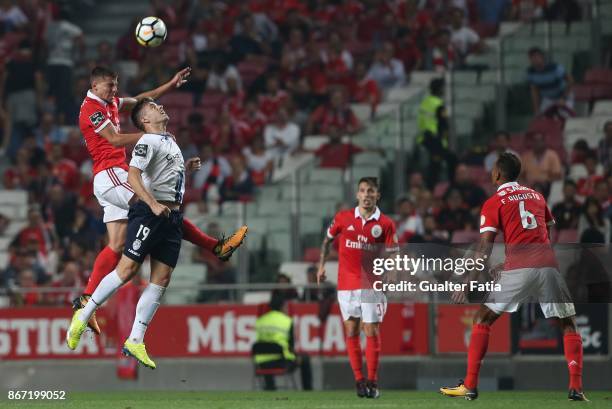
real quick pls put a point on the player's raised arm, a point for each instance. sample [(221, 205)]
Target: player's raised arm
[(177, 81), (327, 241), (119, 139)]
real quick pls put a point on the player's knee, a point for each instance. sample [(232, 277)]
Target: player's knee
[(371, 330), (163, 281), (116, 244), (127, 269)]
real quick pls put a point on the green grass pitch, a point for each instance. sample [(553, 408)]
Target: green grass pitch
[(312, 400)]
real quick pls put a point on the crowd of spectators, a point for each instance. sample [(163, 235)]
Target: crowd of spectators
[(265, 74)]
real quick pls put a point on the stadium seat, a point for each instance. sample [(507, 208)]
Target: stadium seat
[(327, 176), (568, 236), (602, 108), (212, 99), (367, 159), (256, 297), (14, 197), (314, 142), (598, 76), (310, 224), (464, 77), (177, 100), (577, 171)]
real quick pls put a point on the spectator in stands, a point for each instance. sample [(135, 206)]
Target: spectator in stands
[(337, 113), (248, 42), (408, 52), (541, 165), (593, 218), (70, 277), (12, 16), (282, 137), (568, 211), (188, 148), (287, 294), (239, 184), (323, 293), (83, 229), (221, 74), (217, 272), (409, 221), (22, 87), (580, 151), (473, 195), (4, 224), (443, 56), (215, 169), (387, 71), (23, 259), (36, 230), (273, 98), (550, 83), (335, 153), (63, 38), (61, 206), (586, 185), (105, 57), (48, 132), (464, 40), (364, 89), (501, 144), (433, 132), (431, 232), (259, 161), (492, 11), (454, 214), (199, 130), (527, 10), (605, 147), (64, 170), (564, 10), (164, 11), (27, 295)]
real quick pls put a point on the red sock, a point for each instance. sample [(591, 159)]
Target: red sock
[(106, 262), (372, 354), (192, 234), (572, 345), (479, 341), (353, 347)]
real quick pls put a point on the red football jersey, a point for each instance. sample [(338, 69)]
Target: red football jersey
[(522, 215), (359, 240), (95, 115)]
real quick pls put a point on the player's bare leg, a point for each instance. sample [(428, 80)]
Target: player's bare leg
[(572, 347), (106, 261), (372, 332), (145, 310), (479, 342), (352, 328)]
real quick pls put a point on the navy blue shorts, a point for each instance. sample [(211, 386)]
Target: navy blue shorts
[(157, 236)]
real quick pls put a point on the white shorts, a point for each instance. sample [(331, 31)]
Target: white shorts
[(368, 305), (113, 193), (544, 284)]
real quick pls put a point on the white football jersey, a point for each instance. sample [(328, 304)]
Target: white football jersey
[(162, 165)]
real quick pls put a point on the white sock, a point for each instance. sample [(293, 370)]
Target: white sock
[(145, 310), (103, 292)]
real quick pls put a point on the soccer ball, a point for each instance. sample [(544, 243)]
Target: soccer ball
[(151, 32)]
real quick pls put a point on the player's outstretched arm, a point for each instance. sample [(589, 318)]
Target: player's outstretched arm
[(176, 82), (324, 253), (135, 180), (119, 140)]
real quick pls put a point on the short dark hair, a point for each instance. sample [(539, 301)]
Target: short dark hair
[(436, 86), (370, 180), (535, 50), (509, 166), (503, 133), (277, 302), (102, 72), (137, 111)]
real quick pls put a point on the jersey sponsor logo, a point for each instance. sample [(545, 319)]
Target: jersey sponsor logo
[(376, 231), (141, 150), (351, 228), (136, 245), (96, 118)]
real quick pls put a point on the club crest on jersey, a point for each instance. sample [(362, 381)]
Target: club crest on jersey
[(136, 245), (376, 231), (96, 118), (141, 150)]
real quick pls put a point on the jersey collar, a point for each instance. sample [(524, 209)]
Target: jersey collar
[(95, 97), (507, 184), (374, 216)]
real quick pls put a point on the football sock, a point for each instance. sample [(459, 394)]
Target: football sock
[(372, 354), (145, 310), (192, 234), (105, 290), (353, 347), (572, 346), (479, 341), (106, 261)]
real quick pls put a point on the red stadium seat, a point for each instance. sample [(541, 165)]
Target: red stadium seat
[(547, 126), (177, 36), (582, 92), (598, 76), (312, 255), (212, 99), (567, 236)]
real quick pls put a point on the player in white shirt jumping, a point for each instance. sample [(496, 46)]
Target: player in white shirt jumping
[(157, 175)]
